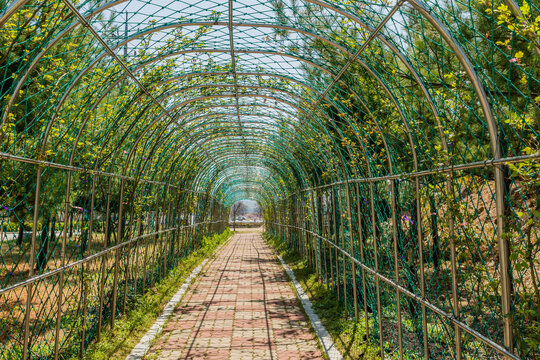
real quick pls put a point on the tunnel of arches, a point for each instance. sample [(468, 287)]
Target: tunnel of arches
[(394, 145)]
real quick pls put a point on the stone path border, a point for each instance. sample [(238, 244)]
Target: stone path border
[(324, 337), (201, 299), (241, 307)]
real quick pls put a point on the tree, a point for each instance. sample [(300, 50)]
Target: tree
[(236, 210)]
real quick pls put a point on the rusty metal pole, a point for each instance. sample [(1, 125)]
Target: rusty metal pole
[(67, 212), (32, 260), (343, 258), (352, 251), (104, 260), (454, 265), (117, 253), (168, 239), (421, 259), (146, 245), (87, 266), (331, 228), (336, 235), (315, 240), (394, 200), (376, 258), (324, 244), (362, 256), (129, 253), (155, 218)]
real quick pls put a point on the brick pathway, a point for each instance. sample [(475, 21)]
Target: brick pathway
[(240, 307)]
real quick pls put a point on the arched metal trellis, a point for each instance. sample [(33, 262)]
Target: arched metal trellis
[(395, 145)]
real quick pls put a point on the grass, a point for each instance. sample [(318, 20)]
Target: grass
[(116, 343), (349, 337)]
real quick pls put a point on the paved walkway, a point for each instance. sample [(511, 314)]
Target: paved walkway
[(240, 307)]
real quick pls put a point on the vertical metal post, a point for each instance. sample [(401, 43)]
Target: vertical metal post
[(146, 244), (117, 252), (396, 263), (305, 245), (104, 259), (307, 249), (421, 259), (137, 253), (336, 233), (352, 251), (129, 253), (180, 205), (160, 239), (154, 243), (278, 219), (88, 265), (376, 258), (176, 222), (190, 228), (504, 257), (314, 239), (181, 232), (331, 220), (362, 256), (293, 221), (67, 212), (453, 264), (29, 294), (185, 239), (297, 223), (167, 240), (306, 234), (324, 233), (343, 258), (303, 239), (285, 223)]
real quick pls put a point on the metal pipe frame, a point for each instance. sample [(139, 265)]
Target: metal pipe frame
[(450, 317), (211, 165), (99, 254)]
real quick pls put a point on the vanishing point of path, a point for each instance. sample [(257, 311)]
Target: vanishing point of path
[(240, 307)]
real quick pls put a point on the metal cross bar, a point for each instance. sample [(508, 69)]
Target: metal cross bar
[(412, 295)]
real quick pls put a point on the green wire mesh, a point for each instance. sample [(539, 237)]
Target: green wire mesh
[(394, 145)]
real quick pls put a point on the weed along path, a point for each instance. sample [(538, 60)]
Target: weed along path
[(241, 306)]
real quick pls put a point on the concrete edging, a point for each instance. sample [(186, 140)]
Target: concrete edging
[(323, 335)]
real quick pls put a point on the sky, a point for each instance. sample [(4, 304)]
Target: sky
[(251, 205)]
